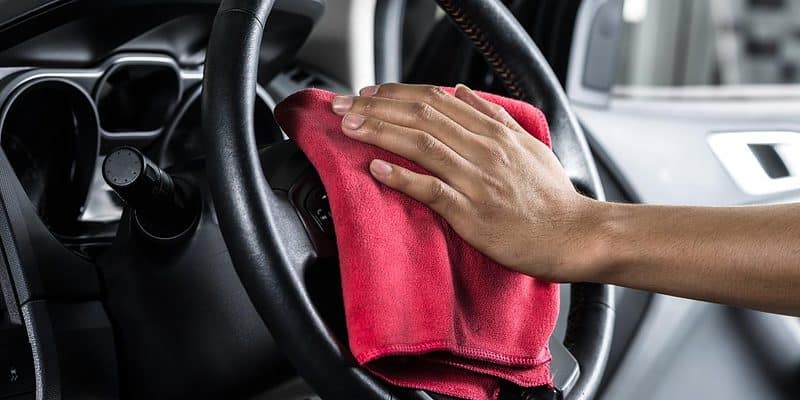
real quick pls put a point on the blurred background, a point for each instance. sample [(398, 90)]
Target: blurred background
[(751, 45), (695, 102)]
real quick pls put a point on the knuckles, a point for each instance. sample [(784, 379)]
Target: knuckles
[(504, 132), (425, 143), (437, 193), (496, 156), (375, 127), (366, 105), (433, 94), (496, 112), (421, 111), (387, 89)]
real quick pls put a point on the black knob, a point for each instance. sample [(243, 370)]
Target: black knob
[(163, 208), (139, 181)]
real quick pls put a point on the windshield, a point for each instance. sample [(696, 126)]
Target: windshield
[(709, 48)]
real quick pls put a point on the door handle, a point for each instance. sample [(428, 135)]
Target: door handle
[(760, 162)]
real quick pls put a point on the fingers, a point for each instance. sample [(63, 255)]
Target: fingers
[(415, 145), (488, 108), (429, 190), (414, 115), (451, 106), (435, 130), (498, 114)]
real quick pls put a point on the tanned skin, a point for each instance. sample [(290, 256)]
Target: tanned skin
[(506, 194)]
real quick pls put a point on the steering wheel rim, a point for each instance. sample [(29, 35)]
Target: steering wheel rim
[(270, 250)]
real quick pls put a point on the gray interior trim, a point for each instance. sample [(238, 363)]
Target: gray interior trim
[(662, 149), (580, 52), (668, 320), (348, 55)]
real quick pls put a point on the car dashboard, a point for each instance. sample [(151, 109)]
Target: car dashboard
[(79, 79), (137, 84)]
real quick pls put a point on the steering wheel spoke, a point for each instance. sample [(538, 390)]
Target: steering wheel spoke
[(296, 184), (563, 366)]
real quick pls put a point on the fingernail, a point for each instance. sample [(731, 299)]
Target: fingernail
[(353, 121), (462, 86), (380, 169), (342, 104), (369, 91)]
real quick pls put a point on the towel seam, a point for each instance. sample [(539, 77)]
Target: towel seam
[(438, 345), (522, 381)]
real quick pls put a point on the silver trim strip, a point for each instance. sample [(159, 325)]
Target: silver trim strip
[(89, 78)]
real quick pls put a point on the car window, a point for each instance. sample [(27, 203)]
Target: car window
[(709, 49)]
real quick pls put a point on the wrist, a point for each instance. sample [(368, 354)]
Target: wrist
[(603, 243)]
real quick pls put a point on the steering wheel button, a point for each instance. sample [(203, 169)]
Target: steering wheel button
[(320, 210)]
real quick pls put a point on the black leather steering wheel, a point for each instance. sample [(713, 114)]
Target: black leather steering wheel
[(270, 246)]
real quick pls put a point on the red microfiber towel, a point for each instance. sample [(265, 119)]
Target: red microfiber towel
[(424, 309)]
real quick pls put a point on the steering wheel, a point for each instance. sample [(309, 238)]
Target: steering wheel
[(270, 246)]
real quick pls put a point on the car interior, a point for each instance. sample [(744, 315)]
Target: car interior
[(163, 238)]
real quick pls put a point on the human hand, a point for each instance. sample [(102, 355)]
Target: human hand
[(500, 189)]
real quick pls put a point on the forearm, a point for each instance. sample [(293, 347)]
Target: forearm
[(747, 256)]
